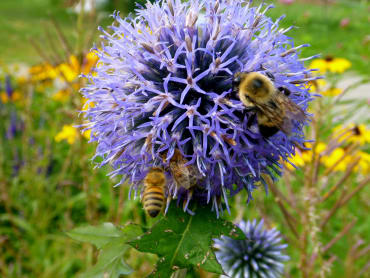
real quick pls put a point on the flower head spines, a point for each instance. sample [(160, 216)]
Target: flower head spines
[(163, 82), (259, 255)]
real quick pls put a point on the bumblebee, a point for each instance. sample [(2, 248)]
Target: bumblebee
[(274, 109), (153, 197)]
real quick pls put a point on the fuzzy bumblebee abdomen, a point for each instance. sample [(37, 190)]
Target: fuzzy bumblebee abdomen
[(153, 200)]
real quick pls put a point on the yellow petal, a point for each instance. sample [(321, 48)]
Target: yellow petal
[(339, 65), (332, 92), (87, 134), (319, 64), (68, 133), (4, 97), (61, 95)]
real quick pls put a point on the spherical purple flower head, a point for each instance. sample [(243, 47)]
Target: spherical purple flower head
[(164, 82), (259, 255)]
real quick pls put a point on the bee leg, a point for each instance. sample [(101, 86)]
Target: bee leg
[(188, 198), (251, 120), (250, 108), (168, 201)]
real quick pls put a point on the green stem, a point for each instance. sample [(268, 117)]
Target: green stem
[(80, 29)]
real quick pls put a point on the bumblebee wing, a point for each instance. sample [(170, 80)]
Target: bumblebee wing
[(293, 112), (270, 114)]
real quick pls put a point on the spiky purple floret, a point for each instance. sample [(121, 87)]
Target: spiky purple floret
[(163, 82), (258, 255)]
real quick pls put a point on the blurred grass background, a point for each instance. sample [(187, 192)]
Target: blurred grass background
[(49, 187), (318, 24)]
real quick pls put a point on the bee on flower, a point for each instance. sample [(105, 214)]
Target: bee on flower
[(156, 90)]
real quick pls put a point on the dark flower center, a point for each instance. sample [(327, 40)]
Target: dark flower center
[(356, 131), (329, 58)]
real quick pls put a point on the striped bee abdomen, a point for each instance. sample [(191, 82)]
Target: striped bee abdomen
[(153, 197)]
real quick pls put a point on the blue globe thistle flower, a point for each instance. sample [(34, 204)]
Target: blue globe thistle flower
[(164, 83), (259, 255)]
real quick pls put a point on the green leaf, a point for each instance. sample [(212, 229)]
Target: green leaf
[(184, 241), (99, 235), (113, 244), (131, 231), (110, 262)]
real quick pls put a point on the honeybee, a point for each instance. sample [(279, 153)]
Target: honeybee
[(185, 176), (153, 197), (274, 109)]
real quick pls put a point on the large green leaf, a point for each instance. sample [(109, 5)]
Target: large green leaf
[(112, 242), (97, 235), (110, 262), (184, 241)]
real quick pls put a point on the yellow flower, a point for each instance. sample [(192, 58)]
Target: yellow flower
[(364, 164), (339, 65), (360, 134), (320, 64), (74, 63), (353, 133), (336, 157), (68, 133), (42, 72), (67, 72), (71, 70), (61, 95), (297, 160), (87, 134), (335, 65), (86, 105), (89, 62), (302, 157), (5, 98), (332, 92), (319, 84)]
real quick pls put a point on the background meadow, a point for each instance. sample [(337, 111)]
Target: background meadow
[(48, 184)]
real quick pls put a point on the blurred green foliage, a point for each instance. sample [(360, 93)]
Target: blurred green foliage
[(319, 25)]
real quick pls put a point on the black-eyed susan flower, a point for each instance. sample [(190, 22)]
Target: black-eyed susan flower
[(354, 133), (337, 159), (363, 166), (304, 156), (331, 64)]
